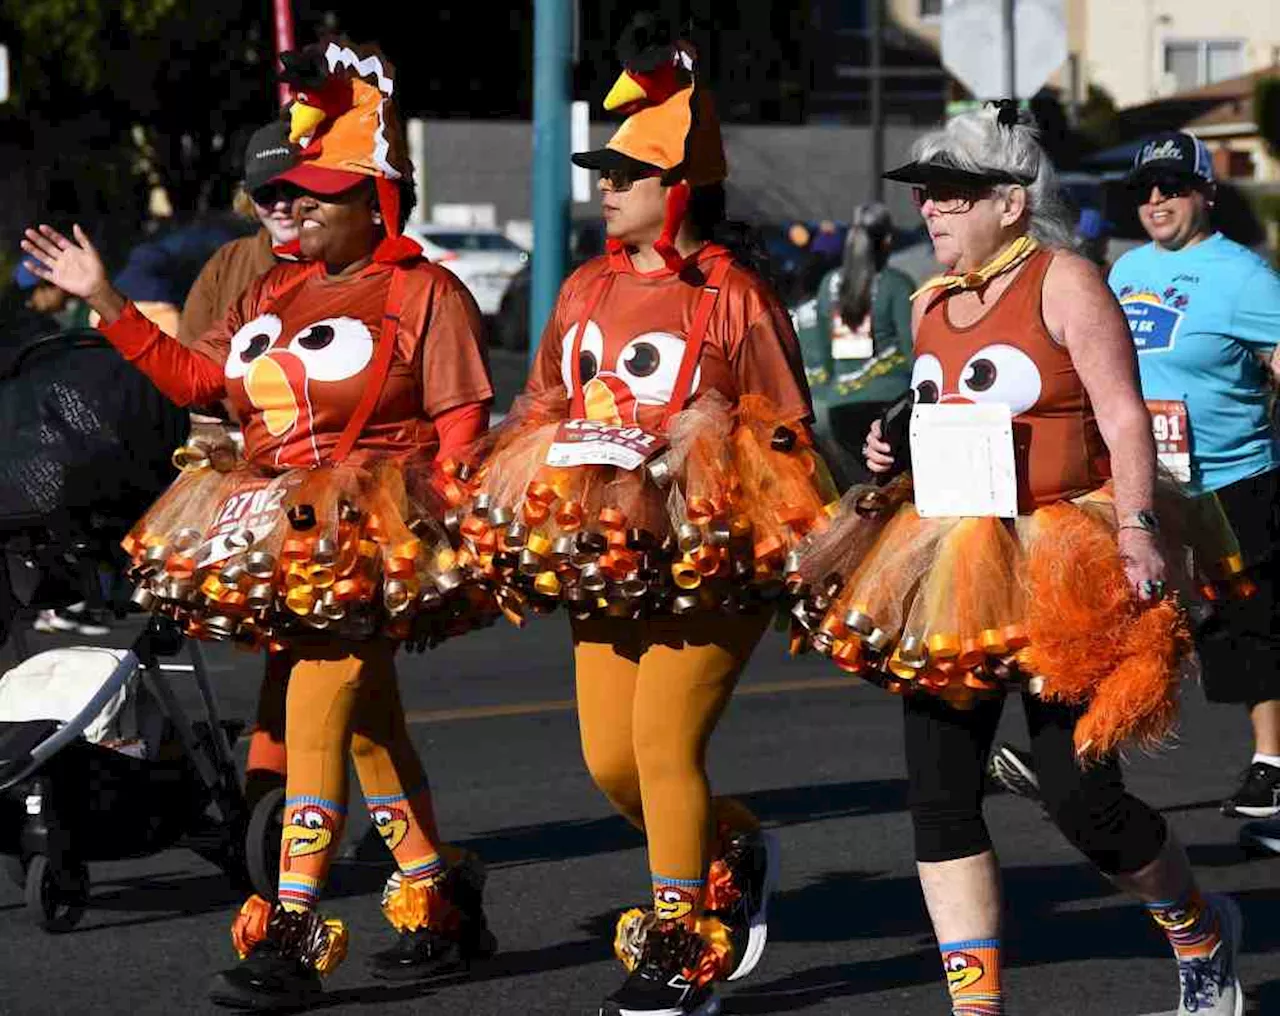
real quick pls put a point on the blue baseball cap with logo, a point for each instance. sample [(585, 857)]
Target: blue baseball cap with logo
[(1173, 152)]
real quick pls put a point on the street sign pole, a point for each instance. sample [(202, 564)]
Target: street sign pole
[(552, 38), (283, 12), (1010, 51), (877, 99)]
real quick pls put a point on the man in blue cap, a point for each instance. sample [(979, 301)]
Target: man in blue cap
[(1205, 316)]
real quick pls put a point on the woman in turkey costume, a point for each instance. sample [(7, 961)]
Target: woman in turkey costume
[(652, 482), (1058, 594), (353, 370)]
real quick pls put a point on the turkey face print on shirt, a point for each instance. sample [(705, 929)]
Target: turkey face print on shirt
[(289, 373), (625, 380), (995, 373)]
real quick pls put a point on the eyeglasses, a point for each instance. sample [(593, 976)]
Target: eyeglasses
[(620, 180), (1168, 186), (947, 199), (272, 193)]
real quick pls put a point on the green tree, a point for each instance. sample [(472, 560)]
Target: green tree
[(114, 96)]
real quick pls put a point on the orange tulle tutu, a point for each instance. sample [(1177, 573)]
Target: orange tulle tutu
[(966, 607), (708, 523), (350, 550)]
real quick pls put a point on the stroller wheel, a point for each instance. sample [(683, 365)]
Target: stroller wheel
[(56, 899), (262, 843)]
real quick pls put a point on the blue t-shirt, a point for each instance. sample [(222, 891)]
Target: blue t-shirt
[(1199, 317)]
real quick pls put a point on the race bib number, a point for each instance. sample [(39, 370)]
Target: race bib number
[(588, 443), (851, 343), (1173, 437), (962, 462), (247, 515)]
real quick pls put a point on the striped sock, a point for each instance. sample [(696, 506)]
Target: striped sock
[(394, 816), (312, 829), (677, 899), (972, 968), (1189, 923)]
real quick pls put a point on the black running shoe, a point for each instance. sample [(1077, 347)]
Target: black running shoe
[(752, 859), (1013, 769), (448, 947), (1259, 793), (658, 985), (267, 980)]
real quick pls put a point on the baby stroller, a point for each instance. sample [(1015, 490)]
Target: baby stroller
[(98, 759)]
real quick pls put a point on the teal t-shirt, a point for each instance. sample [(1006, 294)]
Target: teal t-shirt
[(1199, 317)]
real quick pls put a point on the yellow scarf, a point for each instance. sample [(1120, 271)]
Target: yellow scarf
[(1013, 255)]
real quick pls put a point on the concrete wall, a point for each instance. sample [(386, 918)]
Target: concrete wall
[(776, 174)]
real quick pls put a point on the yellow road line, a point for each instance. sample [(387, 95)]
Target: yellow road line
[(566, 705)]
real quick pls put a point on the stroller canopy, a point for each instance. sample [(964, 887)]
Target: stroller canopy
[(84, 431)]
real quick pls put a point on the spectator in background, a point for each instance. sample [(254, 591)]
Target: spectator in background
[(1205, 316), (874, 299), (1092, 234), (33, 309), (236, 264)]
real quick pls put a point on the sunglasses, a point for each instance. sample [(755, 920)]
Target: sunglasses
[(947, 198), (620, 180), (1168, 186), (271, 193)]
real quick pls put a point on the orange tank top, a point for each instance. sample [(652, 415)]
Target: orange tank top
[(1009, 356)]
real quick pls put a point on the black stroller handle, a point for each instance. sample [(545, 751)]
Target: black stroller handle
[(72, 338)]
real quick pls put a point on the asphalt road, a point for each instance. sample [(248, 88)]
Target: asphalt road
[(815, 755)]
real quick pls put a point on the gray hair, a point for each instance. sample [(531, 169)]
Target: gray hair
[(977, 141), (865, 255)]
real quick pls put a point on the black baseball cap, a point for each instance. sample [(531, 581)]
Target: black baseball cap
[(1175, 153), (268, 154)]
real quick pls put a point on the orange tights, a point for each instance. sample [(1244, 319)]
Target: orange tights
[(649, 696)]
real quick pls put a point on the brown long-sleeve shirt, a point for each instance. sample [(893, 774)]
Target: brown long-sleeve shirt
[(231, 270)]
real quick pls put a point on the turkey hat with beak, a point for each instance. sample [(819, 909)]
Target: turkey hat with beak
[(347, 126), (671, 123)]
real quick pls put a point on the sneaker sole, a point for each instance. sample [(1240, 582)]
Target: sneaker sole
[(758, 936), (711, 1007), (1265, 835), (1008, 771), (1249, 811), (230, 997)]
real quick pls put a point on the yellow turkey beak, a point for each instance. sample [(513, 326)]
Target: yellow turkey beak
[(303, 120), (303, 840), (958, 980), (626, 89), (393, 832), (599, 403), (268, 389)]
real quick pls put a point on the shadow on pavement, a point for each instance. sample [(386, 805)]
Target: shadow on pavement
[(784, 806), (818, 984)]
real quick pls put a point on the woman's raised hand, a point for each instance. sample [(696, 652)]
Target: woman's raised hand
[(71, 265)]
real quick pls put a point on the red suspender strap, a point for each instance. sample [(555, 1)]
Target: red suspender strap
[(381, 367), (697, 336), (577, 405)]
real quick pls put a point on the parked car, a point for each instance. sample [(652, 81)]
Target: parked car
[(484, 259), (511, 324)]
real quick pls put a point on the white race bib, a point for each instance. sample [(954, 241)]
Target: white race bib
[(962, 461), (588, 443)]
